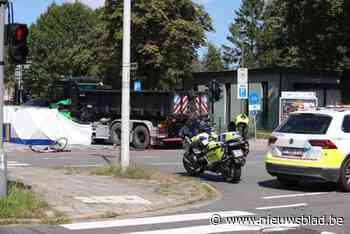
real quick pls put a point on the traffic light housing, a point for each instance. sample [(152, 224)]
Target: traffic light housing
[(17, 40), (215, 91)]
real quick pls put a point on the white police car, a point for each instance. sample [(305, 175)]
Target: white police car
[(312, 145)]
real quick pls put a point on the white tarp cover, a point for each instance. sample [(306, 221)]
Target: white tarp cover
[(35, 125)]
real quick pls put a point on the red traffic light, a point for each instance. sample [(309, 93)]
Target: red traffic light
[(21, 33), (17, 41)]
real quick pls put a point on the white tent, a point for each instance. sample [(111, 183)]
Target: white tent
[(36, 125)]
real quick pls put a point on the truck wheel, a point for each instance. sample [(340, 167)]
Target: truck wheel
[(344, 180), (141, 137), (116, 132)]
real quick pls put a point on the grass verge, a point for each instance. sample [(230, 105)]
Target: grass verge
[(211, 192), (132, 172), (55, 218), (21, 203)]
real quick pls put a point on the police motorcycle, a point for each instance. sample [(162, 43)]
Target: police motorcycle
[(224, 154)]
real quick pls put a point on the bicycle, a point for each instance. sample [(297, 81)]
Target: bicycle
[(58, 145)]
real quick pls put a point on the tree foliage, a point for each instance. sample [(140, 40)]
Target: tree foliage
[(212, 60), (307, 34), (316, 30), (58, 43), (244, 33), (165, 37)]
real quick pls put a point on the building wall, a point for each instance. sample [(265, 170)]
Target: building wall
[(326, 84)]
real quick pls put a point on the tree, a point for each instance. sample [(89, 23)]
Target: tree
[(272, 41), (308, 34), (212, 60), (165, 37), (58, 43), (244, 32), (316, 29)]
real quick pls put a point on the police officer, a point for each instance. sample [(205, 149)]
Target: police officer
[(240, 124)]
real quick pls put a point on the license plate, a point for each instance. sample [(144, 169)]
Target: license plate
[(232, 144), (238, 153), (292, 152)]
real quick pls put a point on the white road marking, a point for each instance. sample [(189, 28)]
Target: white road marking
[(13, 164), (208, 229), (293, 195), (328, 233), (152, 220), (88, 165), (146, 157), (165, 164), (282, 206), (276, 229), (114, 200)]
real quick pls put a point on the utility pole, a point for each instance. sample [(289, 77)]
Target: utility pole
[(3, 160), (125, 140), (18, 78), (243, 102)]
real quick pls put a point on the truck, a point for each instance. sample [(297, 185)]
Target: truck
[(156, 117)]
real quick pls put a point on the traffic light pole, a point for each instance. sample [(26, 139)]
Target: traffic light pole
[(3, 159), (125, 140)]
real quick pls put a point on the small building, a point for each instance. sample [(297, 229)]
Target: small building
[(330, 88)]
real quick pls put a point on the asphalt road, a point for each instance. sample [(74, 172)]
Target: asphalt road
[(257, 195)]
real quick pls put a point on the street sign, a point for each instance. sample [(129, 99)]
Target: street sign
[(254, 101), (242, 76), (242, 91), (134, 66), (242, 83), (253, 113), (137, 86)]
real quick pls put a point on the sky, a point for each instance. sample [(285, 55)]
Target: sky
[(221, 11)]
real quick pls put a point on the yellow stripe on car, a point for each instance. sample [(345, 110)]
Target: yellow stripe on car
[(332, 158)]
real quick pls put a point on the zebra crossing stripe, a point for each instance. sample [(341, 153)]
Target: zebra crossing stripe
[(209, 229), (205, 229), (152, 220)]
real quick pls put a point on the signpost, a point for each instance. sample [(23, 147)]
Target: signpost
[(125, 136), (3, 160), (254, 107), (242, 83), (242, 86)]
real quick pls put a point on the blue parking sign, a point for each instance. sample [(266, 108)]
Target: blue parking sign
[(242, 91), (137, 86)]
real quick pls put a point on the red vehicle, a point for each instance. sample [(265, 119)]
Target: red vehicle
[(184, 105)]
